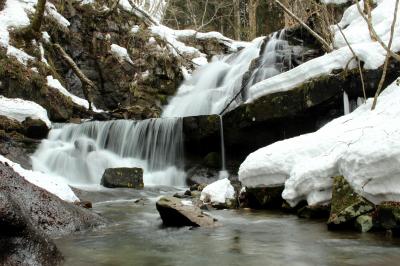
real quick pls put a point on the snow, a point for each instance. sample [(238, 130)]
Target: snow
[(19, 110), (356, 31), (20, 55), (53, 184), (363, 146), (55, 84), (121, 53), (336, 2), (52, 12), (218, 192)]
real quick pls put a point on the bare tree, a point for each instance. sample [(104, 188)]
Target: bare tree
[(253, 4)]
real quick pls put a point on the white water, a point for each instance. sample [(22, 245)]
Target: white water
[(213, 86), (81, 153)]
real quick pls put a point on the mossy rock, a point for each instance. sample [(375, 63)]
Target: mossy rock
[(364, 223), (388, 215), (346, 204), (123, 178), (263, 197), (314, 212)]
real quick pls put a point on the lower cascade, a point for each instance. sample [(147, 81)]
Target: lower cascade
[(81, 153)]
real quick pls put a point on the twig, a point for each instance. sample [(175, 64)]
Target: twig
[(375, 35), (380, 86), (324, 43), (357, 59)]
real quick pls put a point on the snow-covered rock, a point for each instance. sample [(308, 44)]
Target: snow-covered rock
[(363, 146), (121, 53), (53, 184), (356, 31), (19, 110), (218, 192)]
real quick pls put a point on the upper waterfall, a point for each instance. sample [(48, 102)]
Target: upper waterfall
[(82, 152), (213, 86)]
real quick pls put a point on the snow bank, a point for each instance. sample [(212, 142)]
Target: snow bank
[(218, 192), (55, 83), (19, 110), (356, 31), (363, 146), (53, 184)]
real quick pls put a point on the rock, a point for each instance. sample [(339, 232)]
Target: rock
[(346, 204), (84, 204), (263, 197), (200, 175), (314, 212), (176, 214), (35, 128), (388, 216), (364, 223), (30, 215), (123, 178)]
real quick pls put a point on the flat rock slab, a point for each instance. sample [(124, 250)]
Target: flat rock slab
[(347, 205), (175, 213)]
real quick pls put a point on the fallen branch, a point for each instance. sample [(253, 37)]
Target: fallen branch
[(87, 84), (150, 21), (385, 66), (358, 62), (324, 43)]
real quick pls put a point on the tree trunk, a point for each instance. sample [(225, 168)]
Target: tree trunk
[(253, 4), (38, 18), (236, 13)]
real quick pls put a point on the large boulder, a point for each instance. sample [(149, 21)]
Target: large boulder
[(35, 128), (262, 197), (346, 204), (177, 213), (123, 178), (30, 216)]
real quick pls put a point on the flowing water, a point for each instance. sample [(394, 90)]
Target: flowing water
[(213, 86), (81, 153), (136, 237)]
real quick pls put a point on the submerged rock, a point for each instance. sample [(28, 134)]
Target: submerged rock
[(347, 205), (177, 213), (123, 178)]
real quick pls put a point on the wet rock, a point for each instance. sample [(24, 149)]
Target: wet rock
[(262, 197), (200, 175), (30, 216), (364, 223), (314, 212), (174, 213), (84, 204), (212, 160), (123, 178), (35, 128), (346, 204), (388, 216)]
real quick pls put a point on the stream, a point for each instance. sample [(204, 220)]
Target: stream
[(135, 236)]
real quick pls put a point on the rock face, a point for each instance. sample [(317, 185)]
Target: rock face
[(346, 204), (30, 215), (123, 178), (174, 213)]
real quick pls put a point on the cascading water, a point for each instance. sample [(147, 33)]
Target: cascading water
[(223, 173), (213, 86), (82, 152)]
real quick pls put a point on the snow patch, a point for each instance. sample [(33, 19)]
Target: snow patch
[(121, 53), (19, 110), (53, 184)]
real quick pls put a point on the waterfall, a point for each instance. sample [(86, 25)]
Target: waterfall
[(223, 173), (82, 152), (213, 86)]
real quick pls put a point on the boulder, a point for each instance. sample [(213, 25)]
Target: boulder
[(177, 213), (346, 204), (30, 216), (364, 223), (123, 178), (35, 128), (388, 216), (262, 197)]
